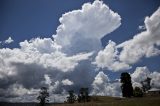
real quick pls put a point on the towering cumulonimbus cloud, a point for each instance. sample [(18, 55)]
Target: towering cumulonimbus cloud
[(58, 64), (82, 30)]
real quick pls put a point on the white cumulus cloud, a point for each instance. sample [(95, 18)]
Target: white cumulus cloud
[(155, 82), (108, 58), (9, 40), (141, 74), (67, 82), (102, 86), (145, 43)]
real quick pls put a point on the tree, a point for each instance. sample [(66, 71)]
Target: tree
[(126, 87), (137, 92), (83, 95), (146, 84), (71, 98), (43, 96)]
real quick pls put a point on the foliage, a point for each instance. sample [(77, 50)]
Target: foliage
[(137, 92), (71, 98), (43, 96), (146, 84), (83, 95), (127, 89)]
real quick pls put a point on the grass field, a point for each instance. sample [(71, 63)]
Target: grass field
[(114, 101), (103, 101)]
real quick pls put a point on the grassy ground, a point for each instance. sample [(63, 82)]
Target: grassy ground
[(102, 101), (113, 101)]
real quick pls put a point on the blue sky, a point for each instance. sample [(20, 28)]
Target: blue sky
[(27, 19)]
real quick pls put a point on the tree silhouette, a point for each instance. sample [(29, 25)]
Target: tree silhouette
[(71, 98), (137, 92), (127, 89), (43, 95), (83, 95), (146, 84)]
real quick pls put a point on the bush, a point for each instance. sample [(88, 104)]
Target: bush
[(137, 92)]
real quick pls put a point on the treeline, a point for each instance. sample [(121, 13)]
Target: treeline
[(127, 89), (83, 96)]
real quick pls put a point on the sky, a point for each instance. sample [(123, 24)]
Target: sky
[(54, 43)]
